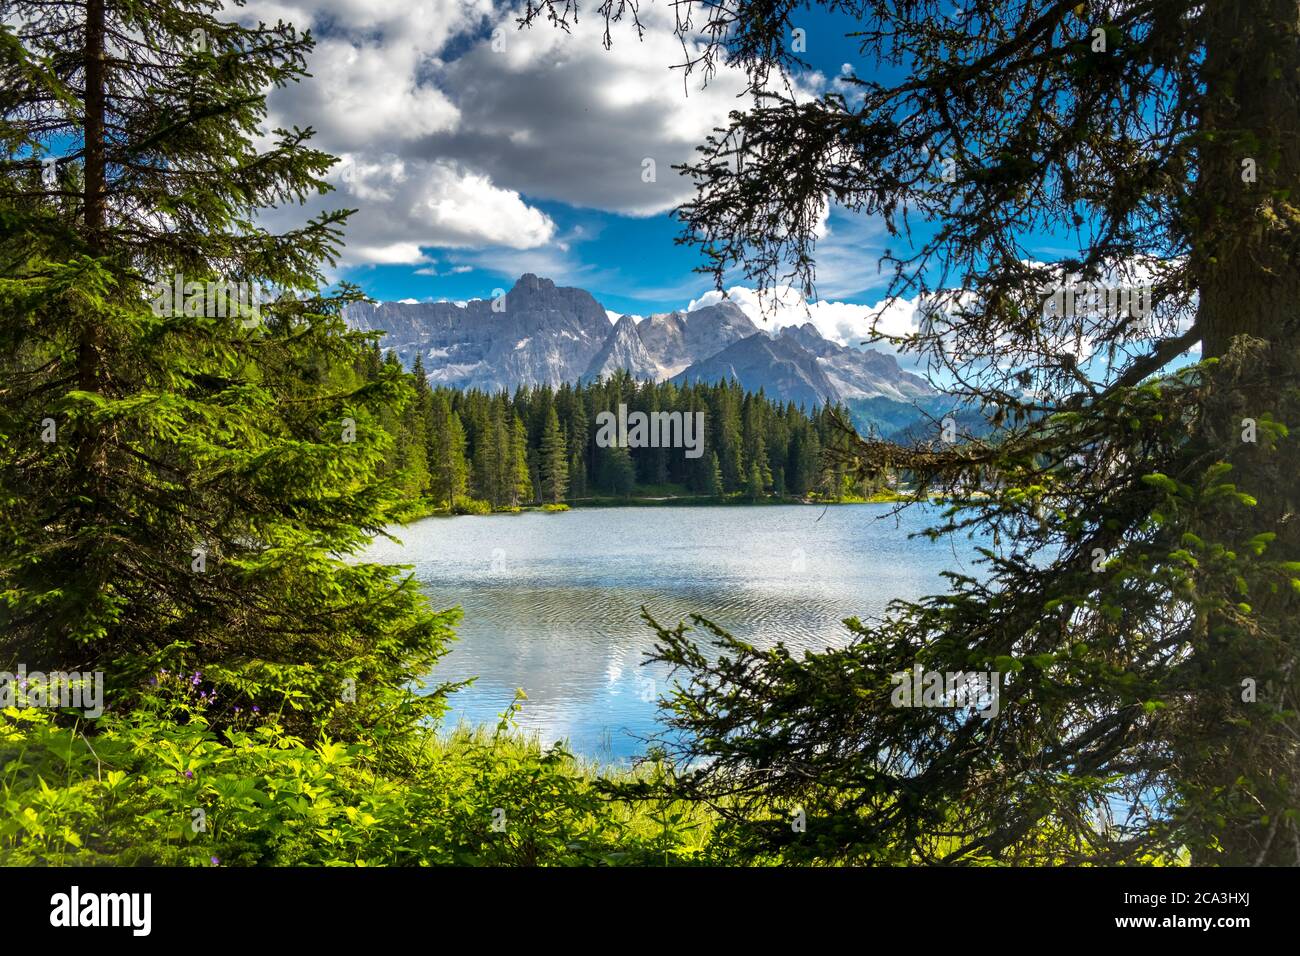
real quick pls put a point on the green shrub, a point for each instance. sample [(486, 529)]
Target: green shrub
[(464, 505), (270, 764)]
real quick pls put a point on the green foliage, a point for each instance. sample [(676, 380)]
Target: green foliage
[(197, 474), (538, 445), (183, 491), (1144, 602), (1126, 652), (193, 772), (470, 506), (554, 467), (448, 466), (716, 487)]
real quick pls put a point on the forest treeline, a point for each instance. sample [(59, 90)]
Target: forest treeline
[(186, 500), (471, 451)]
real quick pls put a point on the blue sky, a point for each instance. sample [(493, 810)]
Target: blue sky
[(477, 152), (631, 264)]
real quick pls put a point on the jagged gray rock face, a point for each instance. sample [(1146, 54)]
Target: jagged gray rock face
[(546, 335), (858, 373), (808, 336), (676, 340), (798, 364), (779, 366), (623, 350)]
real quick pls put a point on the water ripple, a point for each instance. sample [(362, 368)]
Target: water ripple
[(552, 602)]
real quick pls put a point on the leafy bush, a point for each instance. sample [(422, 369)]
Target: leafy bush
[(464, 505), (270, 764)]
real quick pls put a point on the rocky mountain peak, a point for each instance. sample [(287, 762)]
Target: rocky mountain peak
[(623, 350), (531, 283), (549, 334)]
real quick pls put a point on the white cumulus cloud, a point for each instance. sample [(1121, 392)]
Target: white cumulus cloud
[(456, 121), (845, 323)]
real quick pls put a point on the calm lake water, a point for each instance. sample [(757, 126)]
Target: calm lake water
[(552, 602)]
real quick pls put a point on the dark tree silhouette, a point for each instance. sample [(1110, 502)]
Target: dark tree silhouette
[(1141, 582), (188, 470)]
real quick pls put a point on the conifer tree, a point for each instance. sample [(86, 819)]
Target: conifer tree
[(503, 457), (578, 438), (754, 484), (447, 465), (408, 426), (1136, 516), (618, 471), (422, 408), (518, 477), (716, 488), (554, 469), (207, 460), (489, 451)]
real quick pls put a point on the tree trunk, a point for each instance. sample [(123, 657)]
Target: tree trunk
[(90, 350), (91, 447), (94, 125), (1245, 256)]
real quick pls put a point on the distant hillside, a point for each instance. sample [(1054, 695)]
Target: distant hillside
[(542, 334), (915, 421)]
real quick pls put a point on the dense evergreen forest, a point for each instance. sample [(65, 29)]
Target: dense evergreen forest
[(186, 499), (469, 451)]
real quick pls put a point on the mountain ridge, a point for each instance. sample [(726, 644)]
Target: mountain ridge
[(539, 333)]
